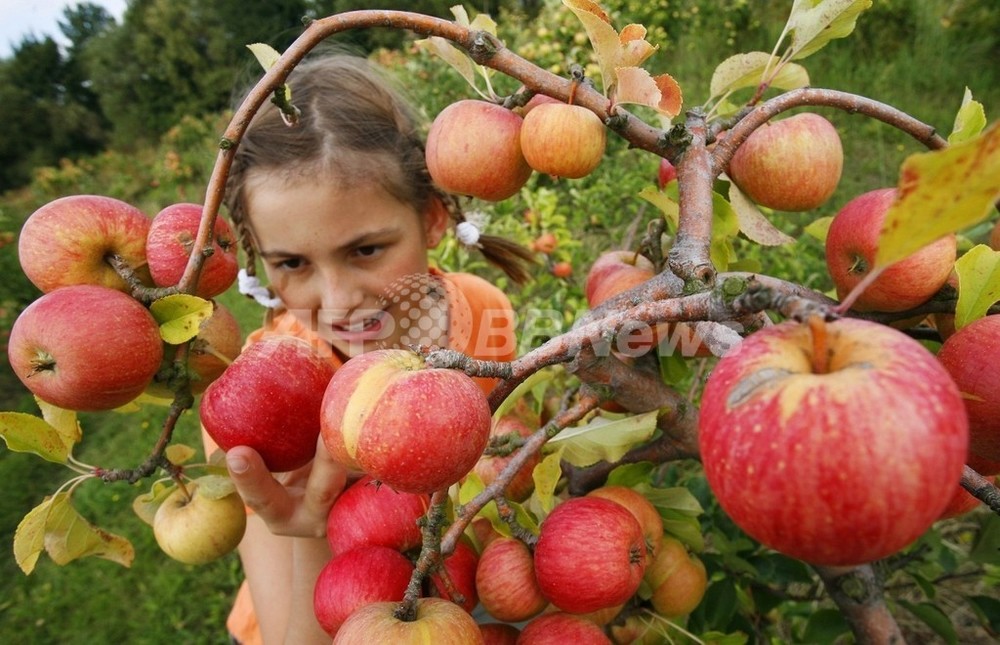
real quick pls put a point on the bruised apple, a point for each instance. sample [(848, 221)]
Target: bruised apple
[(846, 419), (438, 622), (68, 240), (269, 399), (474, 148), (85, 347), (852, 242), (170, 242), (415, 428)]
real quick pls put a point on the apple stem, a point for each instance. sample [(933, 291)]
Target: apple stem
[(821, 349)]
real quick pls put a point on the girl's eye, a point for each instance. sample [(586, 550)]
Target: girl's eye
[(290, 264), (367, 251)]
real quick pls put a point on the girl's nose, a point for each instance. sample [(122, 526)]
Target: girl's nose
[(340, 295)]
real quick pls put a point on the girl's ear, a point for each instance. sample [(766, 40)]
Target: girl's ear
[(436, 220)]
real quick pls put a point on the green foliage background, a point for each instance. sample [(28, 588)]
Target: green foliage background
[(145, 131)]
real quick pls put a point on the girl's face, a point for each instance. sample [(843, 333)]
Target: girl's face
[(333, 252)]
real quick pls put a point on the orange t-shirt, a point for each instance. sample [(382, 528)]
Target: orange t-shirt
[(480, 325)]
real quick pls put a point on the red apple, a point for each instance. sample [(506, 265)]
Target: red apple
[(170, 242), (85, 347), (678, 580), (563, 140), (216, 346), (972, 357), (790, 165), (533, 102), (356, 578), (499, 633), (590, 554), (67, 241), (460, 565), (560, 628), (269, 399), (382, 412), (505, 581), (645, 513), (438, 622), (562, 269), (474, 148), (615, 272), (195, 528), (545, 243), (837, 444), (489, 467), (367, 513), (666, 173), (851, 244)]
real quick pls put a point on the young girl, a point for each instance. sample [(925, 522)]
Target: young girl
[(341, 210)]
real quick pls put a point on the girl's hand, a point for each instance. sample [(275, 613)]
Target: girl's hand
[(295, 503)]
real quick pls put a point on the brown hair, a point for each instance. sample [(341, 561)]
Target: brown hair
[(354, 125)]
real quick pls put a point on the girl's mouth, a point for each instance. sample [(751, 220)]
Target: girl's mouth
[(364, 330)]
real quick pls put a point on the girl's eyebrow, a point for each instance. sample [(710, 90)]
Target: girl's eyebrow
[(368, 237)]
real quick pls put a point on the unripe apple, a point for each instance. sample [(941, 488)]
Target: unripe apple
[(269, 399), (560, 628), (66, 242), (790, 165), (645, 513), (590, 554), (971, 357), (852, 242), (170, 242), (846, 419), (85, 347), (356, 578), (563, 140), (382, 413), (194, 528), (438, 622), (367, 513), (474, 148), (678, 580), (506, 583)]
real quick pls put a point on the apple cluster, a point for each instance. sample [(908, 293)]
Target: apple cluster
[(69, 249), (485, 150), (587, 563)]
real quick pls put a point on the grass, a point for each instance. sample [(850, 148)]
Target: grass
[(902, 56)]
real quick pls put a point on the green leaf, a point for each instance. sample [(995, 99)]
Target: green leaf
[(747, 70), (603, 439), (824, 626), (665, 201), (540, 378), (719, 604), (685, 528), (68, 536), (674, 367), (146, 505), (631, 475), (180, 316), (676, 498), (933, 618), (64, 421), (266, 55), (941, 192), (820, 227), (29, 538), (978, 284), (215, 486), (986, 549), (27, 433), (814, 23), (970, 120), (988, 610)]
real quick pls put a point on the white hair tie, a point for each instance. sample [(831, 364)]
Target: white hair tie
[(467, 233), (249, 285)]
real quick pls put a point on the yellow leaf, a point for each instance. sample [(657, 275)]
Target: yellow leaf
[(612, 50), (146, 505), (978, 284), (754, 225), (820, 227), (814, 23), (636, 85), (69, 536), (970, 120), (178, 453), (64, 422), (604, 439), (215, 486), (634, 47), (29, 538), (27, 433), (266, 55), (662, 201), (546, 476), (452, 55), (747, 70), (941, 192), (180, 316)]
